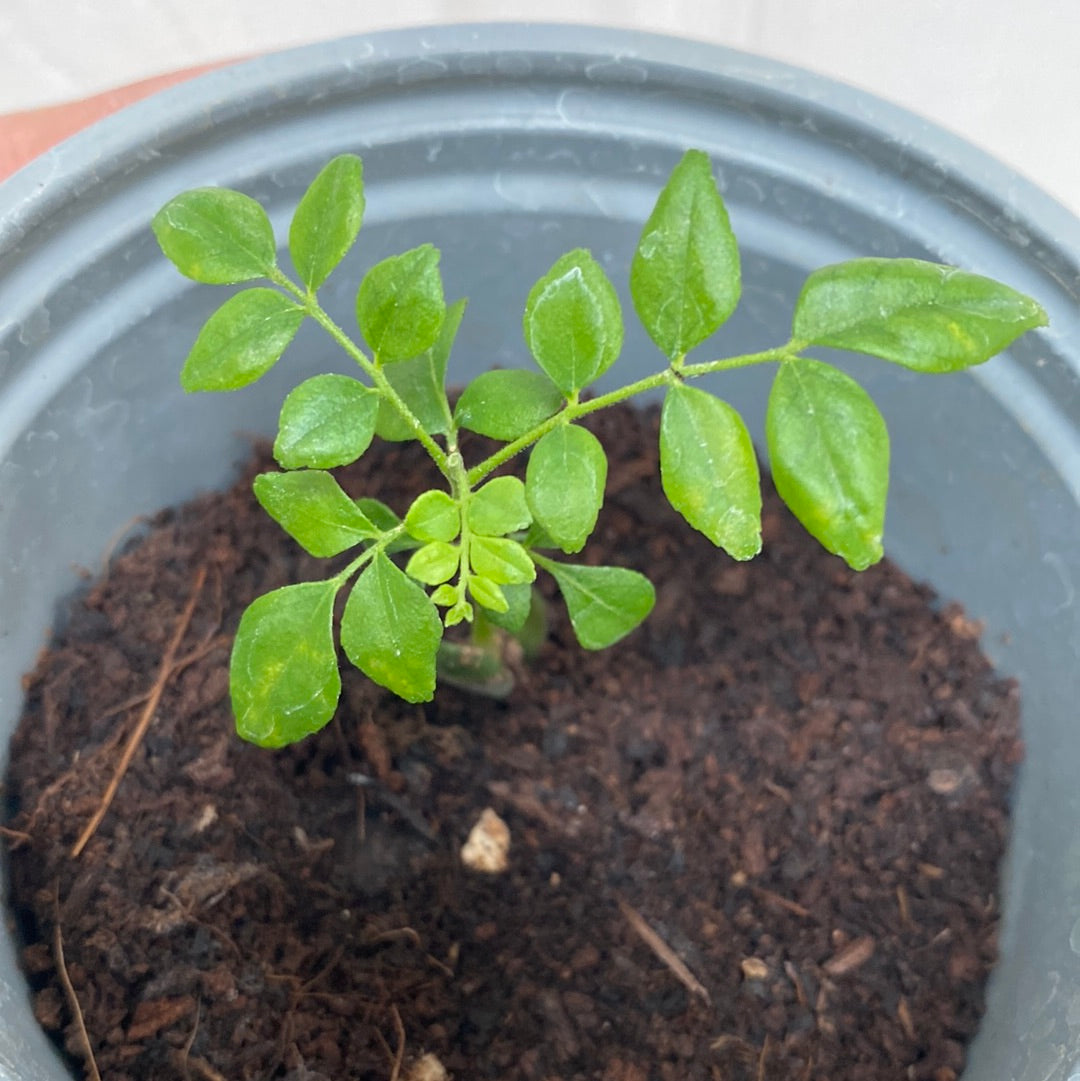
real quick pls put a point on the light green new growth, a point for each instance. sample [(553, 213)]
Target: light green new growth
[(470, 551)]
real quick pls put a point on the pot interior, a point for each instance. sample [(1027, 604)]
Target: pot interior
[(505, 147)]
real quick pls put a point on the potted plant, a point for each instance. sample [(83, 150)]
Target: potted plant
[(546, 204)]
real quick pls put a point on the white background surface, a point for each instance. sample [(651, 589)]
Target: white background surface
[(1003, 74)]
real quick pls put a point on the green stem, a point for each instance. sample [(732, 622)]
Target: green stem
[(312, 307), (369, 554), (575, 409)]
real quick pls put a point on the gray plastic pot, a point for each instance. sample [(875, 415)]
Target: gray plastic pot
[(507, 145)]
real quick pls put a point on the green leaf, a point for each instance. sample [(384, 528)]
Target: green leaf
[(283, 675), (487, 594), (709, 469), (502, 560), (327, 219), (684, 277), (216, 236), (378, 513), (924, 316), (445, 595), (400, 306), (311, 507), (604, 603), (462, 611), (391, 631), (506, 404), (519, 600), (829, 452), (573, 323), (327, 421), (434, 516), (564, 484), (421, 384), (498, 508), (241, 341), (434, 564)]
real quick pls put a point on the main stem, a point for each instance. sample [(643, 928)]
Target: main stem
[(573, 410), (374, 371)]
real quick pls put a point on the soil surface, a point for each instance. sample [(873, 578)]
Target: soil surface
[(756, 841)]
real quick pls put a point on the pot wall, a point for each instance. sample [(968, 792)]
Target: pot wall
[(507, 146)]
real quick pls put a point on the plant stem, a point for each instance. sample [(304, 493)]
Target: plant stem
[(313, 308), (368, 554), (575, 409)]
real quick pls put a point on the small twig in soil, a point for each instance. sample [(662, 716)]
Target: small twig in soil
[(185, 1051), (399, 1057), (16, 835), (761, 1060), (69, 990), (206, 1070), (782, 902), (664, 952), (902, 904), (164, 672)]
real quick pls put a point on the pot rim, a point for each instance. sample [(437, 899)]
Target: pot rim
[(122, 141)]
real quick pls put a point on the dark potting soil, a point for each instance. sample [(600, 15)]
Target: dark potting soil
[(759, 839)]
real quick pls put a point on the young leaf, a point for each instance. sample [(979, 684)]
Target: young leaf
[(502, 560), (327, 421), (327, 219), (391, 631), (216, 236), (573, 323), (283, 675), (241, 341), (434, 516), (519, 600), (604, 603), (311, 507), (434, 564), (924, 316), (506, 404), (564, 484), (400, 306), (421, 384), (829, 452), (685, 277), (487, 594), (376, 511), (498, 508), (709, 470)]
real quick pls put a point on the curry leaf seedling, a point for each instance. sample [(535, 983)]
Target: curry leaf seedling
[(468, 552)]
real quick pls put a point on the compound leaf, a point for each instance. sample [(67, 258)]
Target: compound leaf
[(604, 603), (502, 560), (216, 236), (241, 341), (400, 305), (434, 564), (433, 516), (564, 484), (685, 278), (327, 421), (327, 220), (709, 470), (829, 452), (573, 323), (421, 384), (927, 317), (498, 508), (391, 631), (283, 675), (506, 404), (312, 508)]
